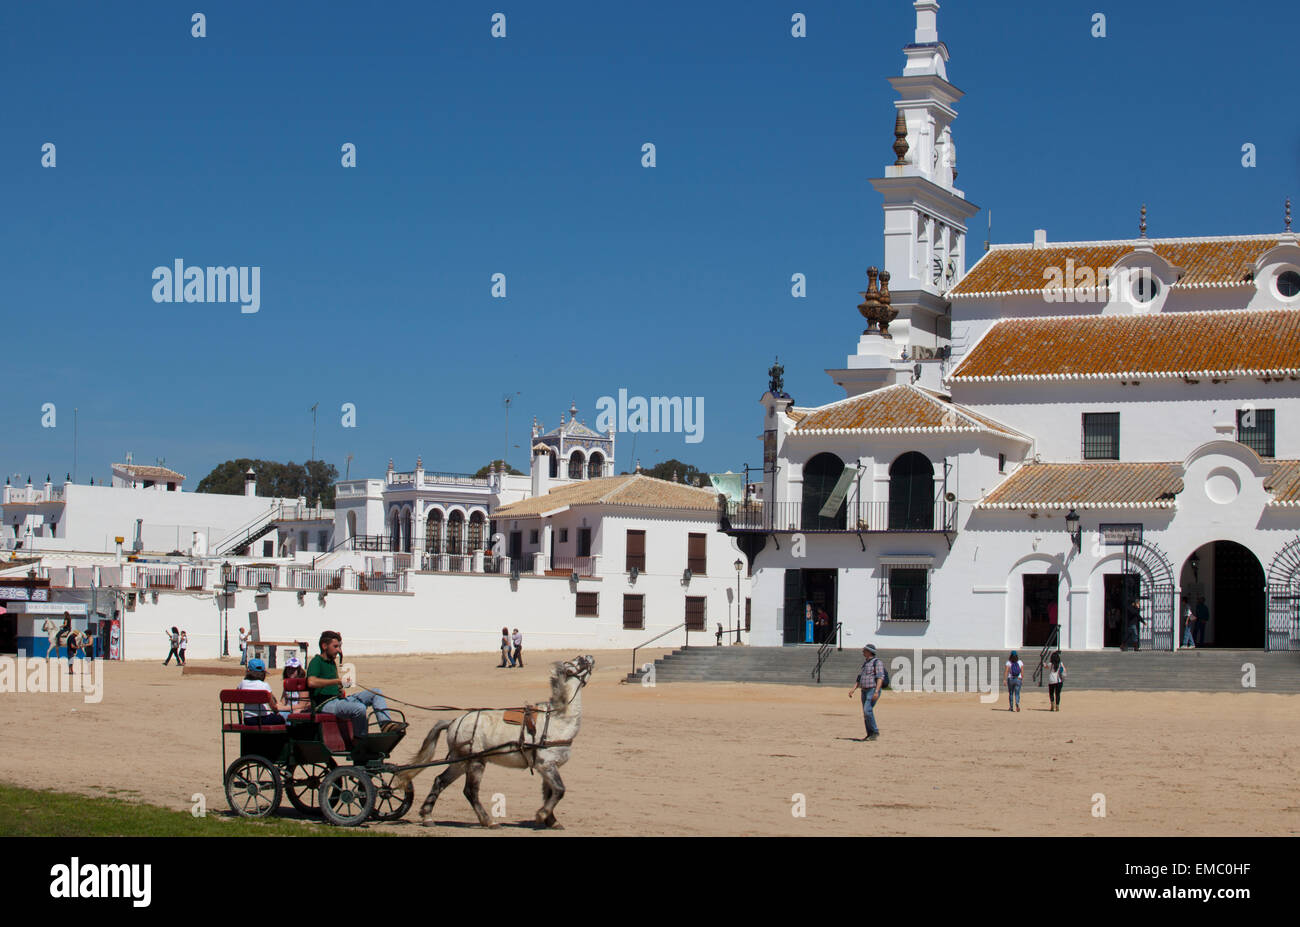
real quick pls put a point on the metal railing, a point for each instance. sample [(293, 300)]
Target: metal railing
[(824, 651), (685, 646), (583, 566), (857, 517), (252, 577)]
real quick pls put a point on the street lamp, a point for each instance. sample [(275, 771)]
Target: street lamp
[(228, 587), (739, 565), (1072, 528)]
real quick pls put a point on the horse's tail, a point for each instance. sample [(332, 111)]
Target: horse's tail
[(427, 750)]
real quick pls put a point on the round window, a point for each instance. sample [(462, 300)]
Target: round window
[(1145, 287), (1288, 284)]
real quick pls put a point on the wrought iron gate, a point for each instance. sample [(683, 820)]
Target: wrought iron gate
[(1156, 597), (1283, 631)]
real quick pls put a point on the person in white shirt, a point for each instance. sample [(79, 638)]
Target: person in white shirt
[(243, 647), (255, 680)]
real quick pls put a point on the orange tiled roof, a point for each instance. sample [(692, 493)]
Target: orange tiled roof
[(1112, 484), (629, 489), (1184, 344), (902, 409), (1284, 483), (1205, 262), (150, 473)]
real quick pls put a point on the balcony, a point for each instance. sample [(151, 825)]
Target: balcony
[(939, 517)]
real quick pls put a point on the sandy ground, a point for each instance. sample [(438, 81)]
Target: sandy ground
[(723, 758)]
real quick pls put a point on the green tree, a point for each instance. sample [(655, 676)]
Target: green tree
[(483, 471), (314, 480), (683, 472)]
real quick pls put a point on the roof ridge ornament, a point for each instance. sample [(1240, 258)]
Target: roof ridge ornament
[(1288, 214), (876, 305), (900, 139), (1142, 224)]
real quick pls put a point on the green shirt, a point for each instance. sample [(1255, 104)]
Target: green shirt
[(323, 669)]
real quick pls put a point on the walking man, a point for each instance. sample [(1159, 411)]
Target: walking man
[(871, 680), (243, 646), (518, 640)]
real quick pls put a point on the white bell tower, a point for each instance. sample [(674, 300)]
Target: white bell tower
[(925, 213)]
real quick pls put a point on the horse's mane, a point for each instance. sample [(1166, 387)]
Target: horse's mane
[(558, 694)]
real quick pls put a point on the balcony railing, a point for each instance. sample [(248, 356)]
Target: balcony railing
[(583, 566), (853, 518)]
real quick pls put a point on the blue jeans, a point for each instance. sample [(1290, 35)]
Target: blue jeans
[(868, 711), (1187, 637), (1013, 692), (353, 707)]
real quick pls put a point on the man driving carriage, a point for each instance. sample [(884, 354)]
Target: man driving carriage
[(327, 689)]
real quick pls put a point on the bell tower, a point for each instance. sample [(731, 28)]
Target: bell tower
[(925, 213)]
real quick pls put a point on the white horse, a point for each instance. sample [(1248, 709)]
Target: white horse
[(485, 736), (52, 630)]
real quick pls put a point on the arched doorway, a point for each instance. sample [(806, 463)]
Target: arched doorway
[(455, 532), (1142, 592), (1225, 581), (911, 493), (576, 464), (433, 532), (475, 532), (395, 531), (819, 478), (352, 525)]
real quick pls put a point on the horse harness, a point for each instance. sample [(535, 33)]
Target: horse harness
[(526, 718)]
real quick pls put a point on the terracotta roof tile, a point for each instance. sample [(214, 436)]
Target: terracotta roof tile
[(1191, 344), (896, 409), (1023, 268), (1112, 484), (149, 473), (633, 489), (1284, 483)]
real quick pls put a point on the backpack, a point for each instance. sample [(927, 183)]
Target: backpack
[(1015, 669), (884, 672)]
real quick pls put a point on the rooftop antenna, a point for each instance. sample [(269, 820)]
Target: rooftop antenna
[(347, 467), (988, 242), (313, 432), (74, 422), (506, 401)]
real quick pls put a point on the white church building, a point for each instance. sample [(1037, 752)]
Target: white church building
[(1064, 437)]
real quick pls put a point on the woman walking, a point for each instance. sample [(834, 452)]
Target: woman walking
[(505, 649), (1014, 676), (1055, 679), (185, 642), (175, 636)]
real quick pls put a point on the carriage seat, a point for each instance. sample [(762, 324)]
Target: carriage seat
[(527, 716), (232, 710)]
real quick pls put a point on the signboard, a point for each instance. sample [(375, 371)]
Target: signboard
[(1116, 535), (48, 608), (836, 498), (23, 594)]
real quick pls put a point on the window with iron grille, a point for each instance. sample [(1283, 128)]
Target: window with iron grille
[(1255, 429), (564, 535), (748, 602), (1101, 436), (634, 612), (905, 594), (635, 550), (532, 537), (696, 561), (588, 605), (695, 616)]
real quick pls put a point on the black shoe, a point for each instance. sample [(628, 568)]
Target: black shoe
[(875, 736)]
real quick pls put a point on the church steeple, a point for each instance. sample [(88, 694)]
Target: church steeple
[(925, 213)]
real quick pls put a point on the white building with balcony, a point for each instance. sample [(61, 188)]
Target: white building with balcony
[(1067, 440)]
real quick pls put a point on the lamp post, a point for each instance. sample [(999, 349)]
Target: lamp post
[(739, 565), (228, 587), (1072, 528)]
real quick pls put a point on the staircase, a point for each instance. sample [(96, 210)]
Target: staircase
[(244, 536), (1205, 670)]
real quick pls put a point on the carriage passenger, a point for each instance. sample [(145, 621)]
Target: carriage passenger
[(296, 702), (255, 680)]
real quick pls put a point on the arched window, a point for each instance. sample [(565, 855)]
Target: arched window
[(406, 531), (352, 524), (911, 493), (554, 464), (433, 532), (475, 532), (395, 531), (575, 465), (596, 466), (455, 532), (819, 478)]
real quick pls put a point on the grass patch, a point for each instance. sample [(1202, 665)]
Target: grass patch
[(44, 813)]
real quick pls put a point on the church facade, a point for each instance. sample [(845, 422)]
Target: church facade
[(1068, 441)]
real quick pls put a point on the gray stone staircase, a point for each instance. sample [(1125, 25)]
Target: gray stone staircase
[(1205, 670)]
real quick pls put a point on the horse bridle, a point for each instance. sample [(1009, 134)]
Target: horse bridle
[(582, 676)]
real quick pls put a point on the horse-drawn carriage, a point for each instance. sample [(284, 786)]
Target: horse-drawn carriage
[(315, 759)]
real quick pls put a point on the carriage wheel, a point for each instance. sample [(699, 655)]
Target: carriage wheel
[(392, 801), (347, 796), (253, 787), (303, 786)]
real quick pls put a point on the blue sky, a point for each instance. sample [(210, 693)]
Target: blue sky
[(522, 156)]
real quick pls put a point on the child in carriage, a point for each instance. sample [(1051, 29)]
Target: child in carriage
[(255, 679), (295, 702)]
